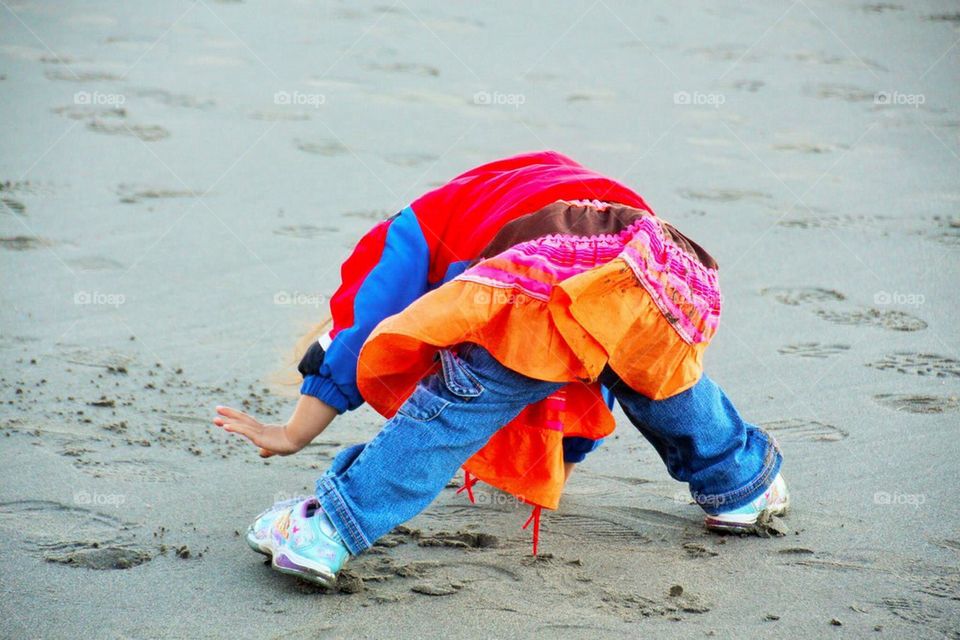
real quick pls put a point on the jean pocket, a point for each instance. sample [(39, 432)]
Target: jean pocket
[(423, 405), (457, 377)]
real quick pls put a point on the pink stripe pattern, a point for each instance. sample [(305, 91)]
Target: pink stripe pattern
[(685, 291)]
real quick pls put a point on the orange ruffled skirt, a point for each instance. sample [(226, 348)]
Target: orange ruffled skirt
[(559, 307)]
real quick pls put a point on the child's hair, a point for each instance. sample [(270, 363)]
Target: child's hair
[(289, 376)]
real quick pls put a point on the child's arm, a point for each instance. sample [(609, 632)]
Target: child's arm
[(384, 274), (310, 417)]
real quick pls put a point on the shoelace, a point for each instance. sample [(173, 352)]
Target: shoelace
[(469, 480)]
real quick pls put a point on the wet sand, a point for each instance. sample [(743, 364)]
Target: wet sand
[(180, 182)]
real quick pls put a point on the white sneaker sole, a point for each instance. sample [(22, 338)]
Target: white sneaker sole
[(728, 525), (292, 564)]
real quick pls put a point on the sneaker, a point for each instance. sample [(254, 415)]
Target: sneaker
[(258, 534), (305, 544), (773, 502)]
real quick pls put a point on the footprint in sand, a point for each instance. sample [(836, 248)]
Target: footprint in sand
[(138, 469), (953, 18), (834, 60), (802, 430), (327, 148), (82, 112), (280, 116), (305, 231), (750, 86), (808, 147), (410, 159), (921, 613), (941, 229), (827, 562), (946, 230), (369, 214), (405, 68), (147, 133), (722, 195), (813, 349), (796, 296), (860, 317), (23, 243), (881, 7), (632, 607), (73, 535), (12, 206), (593, 526), (844, 92), (77, 75), (180, 100), (870, 317), (726, 53), (866, 223), (24, 186), (945, 586), (131, 194), (920, 364), (112, 361), (923, 404)]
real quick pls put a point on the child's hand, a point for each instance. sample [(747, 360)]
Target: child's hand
[(271, 438)]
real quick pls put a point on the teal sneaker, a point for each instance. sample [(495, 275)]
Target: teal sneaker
[(258, 534), (305, 544), (773, 502)]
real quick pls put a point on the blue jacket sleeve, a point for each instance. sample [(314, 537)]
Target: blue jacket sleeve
[(373, 288)]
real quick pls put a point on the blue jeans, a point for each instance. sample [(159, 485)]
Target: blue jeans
[(373, 487)]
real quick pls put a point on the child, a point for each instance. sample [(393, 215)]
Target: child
[(483, 320)]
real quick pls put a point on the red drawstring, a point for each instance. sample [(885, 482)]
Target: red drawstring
[(535, 519), (468, 481)]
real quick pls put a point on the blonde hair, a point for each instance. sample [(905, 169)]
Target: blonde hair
[(288, 377)]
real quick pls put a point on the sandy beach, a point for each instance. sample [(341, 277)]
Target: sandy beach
[(180, 182)]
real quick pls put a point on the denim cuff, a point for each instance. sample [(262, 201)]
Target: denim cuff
[(341, 515), (716, 503)]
